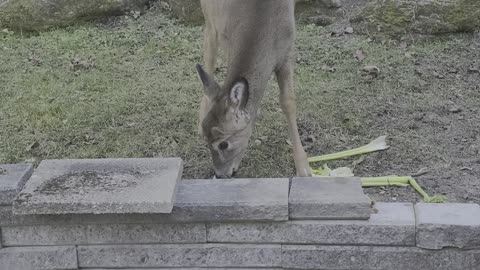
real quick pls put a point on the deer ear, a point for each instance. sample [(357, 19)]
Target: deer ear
[(239, 94), (210, 86)]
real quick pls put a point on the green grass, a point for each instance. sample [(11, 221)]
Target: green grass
[(140, 97)]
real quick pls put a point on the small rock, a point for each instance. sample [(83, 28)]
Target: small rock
[(372, 70), (348, 30), (258, 142)]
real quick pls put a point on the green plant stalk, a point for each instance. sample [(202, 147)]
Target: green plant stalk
[(401, 181), (375, 145)]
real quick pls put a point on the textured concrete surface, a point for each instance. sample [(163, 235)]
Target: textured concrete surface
[(374, 258), (139, 185), (234, 199), (194, 255), (328, 198), (394, 224), (195, 201), (45, 258), (103, 234), (12, 179), (448, 225)]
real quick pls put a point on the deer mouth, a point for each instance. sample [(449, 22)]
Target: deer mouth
[(228, 175)]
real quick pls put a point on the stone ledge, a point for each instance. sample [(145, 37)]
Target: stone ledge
[(94, 234), (195, 255), (98, 186), (12, 179), (328, 198), (375, 258), (448, 225), (46, 258), (394, 224), (196, 201)]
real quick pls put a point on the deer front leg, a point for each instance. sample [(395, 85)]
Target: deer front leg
[(288, 103), (210, 49)]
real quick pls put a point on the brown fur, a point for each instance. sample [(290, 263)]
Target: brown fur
[(257, 37)]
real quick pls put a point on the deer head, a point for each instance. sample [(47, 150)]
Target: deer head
[(227, 125)]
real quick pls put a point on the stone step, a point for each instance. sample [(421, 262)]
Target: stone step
[(99, 186), (328, 198)]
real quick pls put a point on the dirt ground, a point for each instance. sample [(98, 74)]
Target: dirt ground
[(128, 88)]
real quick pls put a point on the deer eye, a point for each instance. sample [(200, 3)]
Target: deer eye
[(223, 146)]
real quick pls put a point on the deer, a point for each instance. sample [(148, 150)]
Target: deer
[(257, 38)]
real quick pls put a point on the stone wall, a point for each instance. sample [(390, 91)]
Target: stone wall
[(304, 223)]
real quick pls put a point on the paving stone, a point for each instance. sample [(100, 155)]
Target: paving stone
[(448, 225), (196, 201), (12, 179), (394, 224), (103, 234), (328, 198), (374, 258), (45, 258), (194, 255), (137, 185)]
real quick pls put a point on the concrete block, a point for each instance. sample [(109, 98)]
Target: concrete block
[(45, 258), (374, 258), (138, 185), (448, 225), (234, 199), (196, 201), (394, 224), (103, 234), (12, 179), (231, 255), (194, 255), (328, 198)]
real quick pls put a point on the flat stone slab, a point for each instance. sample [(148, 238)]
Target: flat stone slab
[(448, 225), (220, 200), (375, 258), (393, 224), (136, 185), (194, 255), (328, 198), (12, 179), (47, 258)]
